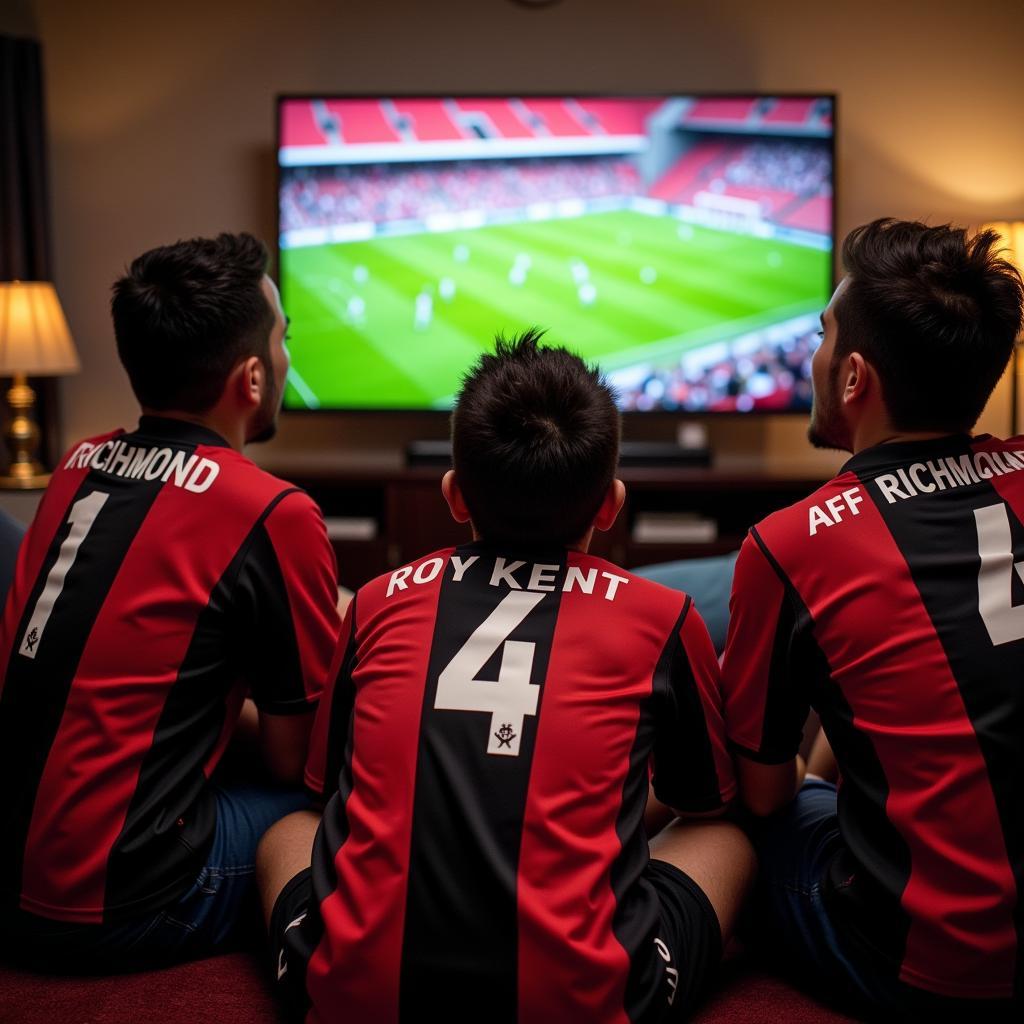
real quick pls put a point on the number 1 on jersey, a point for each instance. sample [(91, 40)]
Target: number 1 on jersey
[(510, 697), (83, 514)]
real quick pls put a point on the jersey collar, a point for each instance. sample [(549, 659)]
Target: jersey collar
[(898, 453), (165, 428)]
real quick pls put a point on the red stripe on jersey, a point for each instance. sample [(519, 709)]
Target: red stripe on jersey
[(49, 518), (961, 940), (310, 584), (571, 965), (108, 724), (359, 959)]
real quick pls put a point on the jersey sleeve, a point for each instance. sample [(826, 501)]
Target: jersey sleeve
[(286, 597), (762, 684), (333, 723), (692, 768)]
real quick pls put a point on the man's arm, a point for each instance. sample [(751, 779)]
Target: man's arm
[(693, 775), (287, 598), (764, 702), (766, 788), (284, 744)]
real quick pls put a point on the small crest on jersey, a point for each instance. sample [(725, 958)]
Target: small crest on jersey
[(505, 735), (31, 639)]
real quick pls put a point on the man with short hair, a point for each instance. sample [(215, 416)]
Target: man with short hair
[(891, 600), (165, 579), (484, 752)]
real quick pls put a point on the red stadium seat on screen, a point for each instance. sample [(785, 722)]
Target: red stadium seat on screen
[(362, 121)]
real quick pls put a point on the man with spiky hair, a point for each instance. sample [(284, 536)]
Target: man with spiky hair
[(891, 600), (164, 579), (483, 754)]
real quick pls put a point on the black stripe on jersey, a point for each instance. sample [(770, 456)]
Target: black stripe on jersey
[(334, 826), (468, 810), (685, 776), (172, 815), (343, 699), (636, 920), (36, 689), (988, 675)]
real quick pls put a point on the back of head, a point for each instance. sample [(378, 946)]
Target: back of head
[(936, 312), (535, 440), (186, 314)]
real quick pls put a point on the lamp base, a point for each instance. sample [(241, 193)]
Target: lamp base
[(25, 476), (25, 471)]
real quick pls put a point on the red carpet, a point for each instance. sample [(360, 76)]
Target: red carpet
[(232, 990)]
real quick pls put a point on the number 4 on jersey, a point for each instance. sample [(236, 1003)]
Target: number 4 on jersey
[(1003, 620), (510, 697)]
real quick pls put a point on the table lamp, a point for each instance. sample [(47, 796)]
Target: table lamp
[(34, 342)]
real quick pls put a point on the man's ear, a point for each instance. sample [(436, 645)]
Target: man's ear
[(453, 495), (611, 506), (856, 378), (247, 381)]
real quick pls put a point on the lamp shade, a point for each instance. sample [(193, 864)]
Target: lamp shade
[(34, 336)]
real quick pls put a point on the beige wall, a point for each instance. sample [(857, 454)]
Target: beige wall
[(161, 123)]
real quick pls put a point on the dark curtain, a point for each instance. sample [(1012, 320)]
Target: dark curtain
[(24, 193)]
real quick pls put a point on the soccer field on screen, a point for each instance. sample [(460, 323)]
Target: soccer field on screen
[(394, 322)]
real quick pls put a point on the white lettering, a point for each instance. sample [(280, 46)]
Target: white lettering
[(98, 458), (966, 470), (818, 517), (985, 466), (853, 499), (461, 566), (1012, 461), (398, 578), (197, 483), (835, 506), (180, 468), (890, 487), (82, 450), (503, 573), (902, 474), (542, 577), (915, 474), (613, 584), (159, 463), (140, 462), (575, 576), (120, 459), (941, 474), (428, 570)]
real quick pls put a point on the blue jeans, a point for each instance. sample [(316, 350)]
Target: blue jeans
[(795, 848), (204, 920)]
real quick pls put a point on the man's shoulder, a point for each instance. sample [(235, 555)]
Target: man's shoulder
[(835, 501)]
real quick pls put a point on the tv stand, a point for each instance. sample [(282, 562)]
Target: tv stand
[(383, 515), (631, 453)]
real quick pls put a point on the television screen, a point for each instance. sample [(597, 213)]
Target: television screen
[(683, 243)]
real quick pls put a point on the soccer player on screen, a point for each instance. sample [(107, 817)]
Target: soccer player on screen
[(165, 577), (483, 755), (892, 601)]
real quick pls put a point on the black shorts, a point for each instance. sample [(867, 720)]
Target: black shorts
[(688, 944)]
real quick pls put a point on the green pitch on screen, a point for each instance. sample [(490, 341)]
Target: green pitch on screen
[(394, 322)]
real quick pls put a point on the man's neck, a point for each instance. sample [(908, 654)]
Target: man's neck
[(869, 437), (233, 433)]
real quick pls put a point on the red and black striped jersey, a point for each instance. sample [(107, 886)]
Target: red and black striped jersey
[(485, 753), (165, 577), (892, 600)]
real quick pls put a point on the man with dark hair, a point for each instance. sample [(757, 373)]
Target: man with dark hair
[(891, 600), (165, 579), (483, 754)]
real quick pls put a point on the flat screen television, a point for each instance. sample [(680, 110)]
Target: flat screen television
[(681, 242)]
